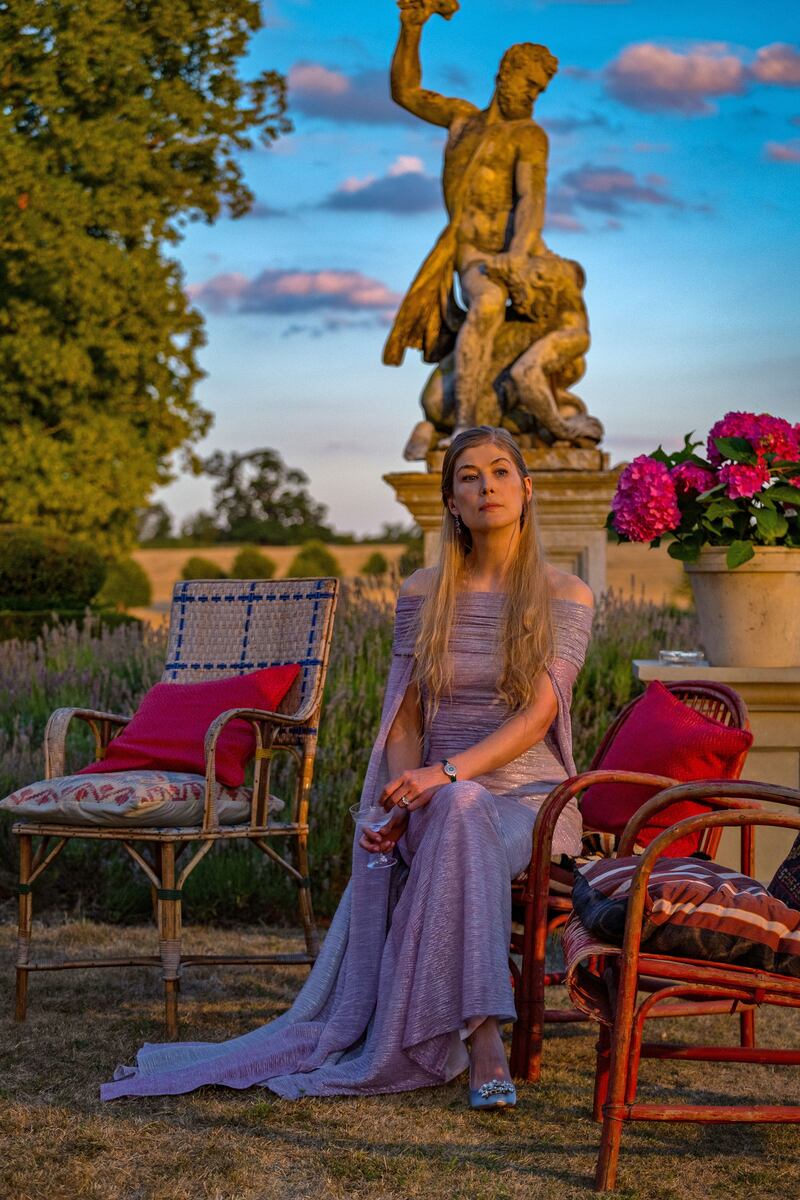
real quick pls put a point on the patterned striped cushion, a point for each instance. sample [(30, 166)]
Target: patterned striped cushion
[(694, 909), (142, 798)]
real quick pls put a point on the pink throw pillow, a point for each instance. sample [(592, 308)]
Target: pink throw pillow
[(169, 726), (662, 736)]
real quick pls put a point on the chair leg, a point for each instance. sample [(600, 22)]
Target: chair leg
[(304, 898), (25, 920), (601, 1072), (606, 1173), (169, 938), (747, 1027)]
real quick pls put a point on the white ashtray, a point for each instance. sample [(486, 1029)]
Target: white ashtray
[(682, 658)]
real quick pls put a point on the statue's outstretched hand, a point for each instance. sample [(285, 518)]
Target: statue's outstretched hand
[(417, 12)]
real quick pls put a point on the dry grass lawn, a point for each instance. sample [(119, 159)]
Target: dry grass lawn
[(58, 1141)]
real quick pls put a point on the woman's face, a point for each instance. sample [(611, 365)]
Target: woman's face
[(487, 490)]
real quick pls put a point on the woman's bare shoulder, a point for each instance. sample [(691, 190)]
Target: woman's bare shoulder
[(418, 584), (564, 586)]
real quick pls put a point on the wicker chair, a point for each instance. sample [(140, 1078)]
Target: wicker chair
[(540, 909), (217, 629), (685, 986)]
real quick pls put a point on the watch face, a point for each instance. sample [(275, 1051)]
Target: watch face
[(449, 769)]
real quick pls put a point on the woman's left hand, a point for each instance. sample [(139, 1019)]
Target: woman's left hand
[(413, 789)]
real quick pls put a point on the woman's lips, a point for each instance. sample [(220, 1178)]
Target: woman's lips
[(484, 507)]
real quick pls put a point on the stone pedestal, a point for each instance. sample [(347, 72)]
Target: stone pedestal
[(772, 696), (572, 489)]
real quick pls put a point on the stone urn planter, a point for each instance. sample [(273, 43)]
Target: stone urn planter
[(748, 617)]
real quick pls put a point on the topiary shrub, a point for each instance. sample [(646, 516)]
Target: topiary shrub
[(250, 563), (313, 560), (377, 564), (198, 567), (43, 570), (127, 585)]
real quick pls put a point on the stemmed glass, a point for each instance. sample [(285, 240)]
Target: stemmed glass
[(374, 817)]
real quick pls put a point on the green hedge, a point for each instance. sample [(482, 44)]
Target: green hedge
[(127, 585), (42, 570)]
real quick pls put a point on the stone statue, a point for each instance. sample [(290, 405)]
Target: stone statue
[(509, 356)]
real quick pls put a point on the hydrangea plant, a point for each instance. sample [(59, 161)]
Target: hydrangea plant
[(744, 493)]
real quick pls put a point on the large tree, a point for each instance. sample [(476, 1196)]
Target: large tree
[(257, 498), (120, 120)]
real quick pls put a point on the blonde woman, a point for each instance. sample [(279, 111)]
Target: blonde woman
[(475, 731)]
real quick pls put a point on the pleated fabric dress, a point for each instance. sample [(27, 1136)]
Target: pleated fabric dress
[(416, 952)]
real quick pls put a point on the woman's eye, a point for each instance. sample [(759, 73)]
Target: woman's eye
[(501, 471), (468, 478)]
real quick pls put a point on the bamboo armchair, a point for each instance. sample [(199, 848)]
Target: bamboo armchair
[(217, 629), (681, 986), (540, 910)]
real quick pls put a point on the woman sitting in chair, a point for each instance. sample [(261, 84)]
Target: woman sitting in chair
[(475, 732)]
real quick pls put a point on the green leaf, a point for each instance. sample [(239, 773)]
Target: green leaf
[(660, 455), (721, 508), (684, 551), (784, 492), (712, 491), (736, 449), (738, 553), (770, 524)]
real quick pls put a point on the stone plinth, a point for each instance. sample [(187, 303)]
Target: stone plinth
[(772, 696), (571, 504)]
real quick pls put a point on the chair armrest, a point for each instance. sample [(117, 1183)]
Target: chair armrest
[(55, 734), (258, 718), (550, 810)]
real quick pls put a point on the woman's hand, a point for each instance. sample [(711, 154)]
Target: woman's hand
[(413, 789), (381, 840)]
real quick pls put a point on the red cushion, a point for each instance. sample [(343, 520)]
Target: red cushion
[(662, 736), (168, 727)]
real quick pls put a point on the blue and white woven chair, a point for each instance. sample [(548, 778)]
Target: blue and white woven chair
[(218, 628)]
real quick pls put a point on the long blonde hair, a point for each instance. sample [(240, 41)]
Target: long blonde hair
[(526, 639)]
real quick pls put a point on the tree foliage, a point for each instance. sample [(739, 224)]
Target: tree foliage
[(257, 498), (120, 121)]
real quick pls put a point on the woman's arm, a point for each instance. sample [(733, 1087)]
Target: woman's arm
[(511, 739)]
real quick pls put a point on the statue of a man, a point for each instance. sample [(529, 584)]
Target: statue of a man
[(494, 182)]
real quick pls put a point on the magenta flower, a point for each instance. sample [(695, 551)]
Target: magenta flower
[(645, 504), (733, 424), (743, 480), (688, 477), (778, 437), (766, 434)]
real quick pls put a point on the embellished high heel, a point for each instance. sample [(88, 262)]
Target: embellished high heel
[(497, 1093)]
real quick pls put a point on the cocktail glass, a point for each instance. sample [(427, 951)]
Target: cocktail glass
[(374, 817)]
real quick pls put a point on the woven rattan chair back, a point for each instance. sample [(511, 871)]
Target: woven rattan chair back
[(227, 627)]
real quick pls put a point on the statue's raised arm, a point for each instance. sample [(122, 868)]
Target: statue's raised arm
[(406, 73)]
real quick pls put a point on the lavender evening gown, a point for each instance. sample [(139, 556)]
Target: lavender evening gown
[(413, 952)]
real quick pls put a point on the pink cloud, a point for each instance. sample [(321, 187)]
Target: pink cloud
[(279, 292), (777, 64), (649, 77), (653, 77), (319, 91), (783, 151)]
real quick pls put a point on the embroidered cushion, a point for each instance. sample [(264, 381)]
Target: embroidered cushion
[(662, 736), (785, 884), (152, 798), (694, 909), (168, 728)]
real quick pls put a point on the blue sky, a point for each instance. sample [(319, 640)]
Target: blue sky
[(674, 178)]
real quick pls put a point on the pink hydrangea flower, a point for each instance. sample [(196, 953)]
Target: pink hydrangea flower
[(688, 477), (778, 437), (766, 434), (645, 504), (733, 424), (743, 480)]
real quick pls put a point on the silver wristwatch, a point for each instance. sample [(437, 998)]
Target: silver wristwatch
[(449, 770)]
